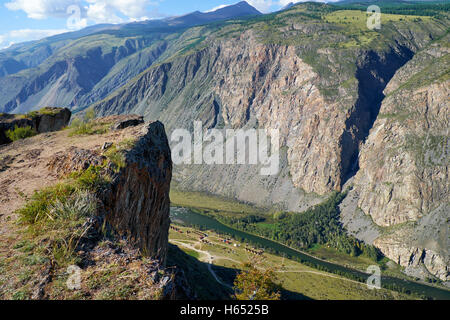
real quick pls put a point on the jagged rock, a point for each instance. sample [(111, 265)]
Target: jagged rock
[(53, 119), (45, 278), (107, 145), (45, 120), (176, 287), (137, 204), (73, 160), (403, 182), (242, 82), (418, 261), (128, 121)]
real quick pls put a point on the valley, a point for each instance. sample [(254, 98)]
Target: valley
[(299, 282), (341, 266), (359, 119)]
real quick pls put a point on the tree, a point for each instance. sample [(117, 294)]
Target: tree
[(255, 284)]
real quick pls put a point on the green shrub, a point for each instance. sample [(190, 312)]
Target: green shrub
[(87, 126), (90, 179), (64, 200), (116, 156), (37, 208), (20, 133)]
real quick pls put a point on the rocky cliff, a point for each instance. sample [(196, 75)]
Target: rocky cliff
[(106, 208), (347, 101), (45, 120), (403, 182), (244, 82), (138, 203)]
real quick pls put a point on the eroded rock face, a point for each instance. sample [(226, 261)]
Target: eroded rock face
[(74, 159), (46, 120), (242, 83), (413, 258), (53, 120), (137, 204), (403, 179), (128, 121)]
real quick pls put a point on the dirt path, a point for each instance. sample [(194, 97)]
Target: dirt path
[(210, 260), (320, 274)]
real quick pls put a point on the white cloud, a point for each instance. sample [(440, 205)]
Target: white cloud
[(41, 9), (98, 11), (102, 11), (262, 5), (217, 8), (22, 35)]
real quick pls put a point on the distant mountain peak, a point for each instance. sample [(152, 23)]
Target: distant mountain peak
[(240, 7)]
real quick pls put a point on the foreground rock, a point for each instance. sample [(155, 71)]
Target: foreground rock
[(129, 229), (138, 203), (45, 120)]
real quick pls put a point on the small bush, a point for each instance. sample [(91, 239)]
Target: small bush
[(90, 179), (20, 133), (80, 205), (87, 126), (116, 157), (255, 284), (37, 208), (49, 203)]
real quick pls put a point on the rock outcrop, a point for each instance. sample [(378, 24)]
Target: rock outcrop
[(45, 120), (137, 205), (123, 195), (129, 121), (136, 202)]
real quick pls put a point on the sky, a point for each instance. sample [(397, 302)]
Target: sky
[(25, 20)]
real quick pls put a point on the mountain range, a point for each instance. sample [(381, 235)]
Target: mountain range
[(361, 112)]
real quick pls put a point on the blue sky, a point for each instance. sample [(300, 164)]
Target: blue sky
[(24, 20)]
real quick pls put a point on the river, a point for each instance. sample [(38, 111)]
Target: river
[(189, 218)]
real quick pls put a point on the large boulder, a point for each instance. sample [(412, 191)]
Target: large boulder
[(45, 120)]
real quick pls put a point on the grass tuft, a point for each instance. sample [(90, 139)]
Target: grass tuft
[(20, 133)]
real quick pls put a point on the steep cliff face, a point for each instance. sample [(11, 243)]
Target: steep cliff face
[(244, 83), (138, 203), (136, 200), (334, 107), (404, 176)]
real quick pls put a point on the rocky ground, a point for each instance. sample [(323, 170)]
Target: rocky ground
[(35, 256)]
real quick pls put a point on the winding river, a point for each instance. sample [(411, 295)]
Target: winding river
[(188, 217)]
